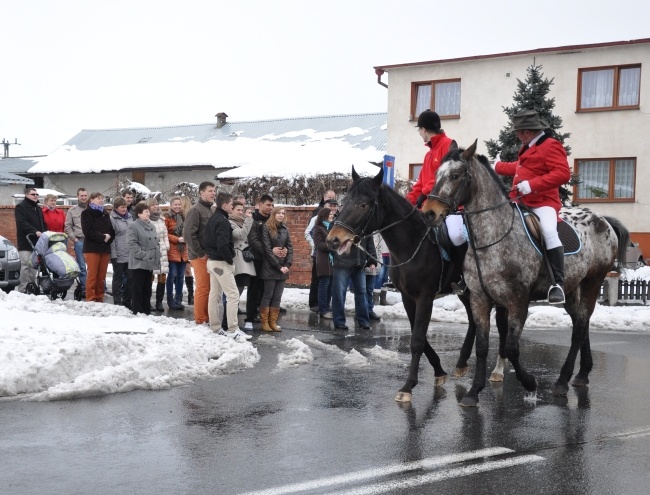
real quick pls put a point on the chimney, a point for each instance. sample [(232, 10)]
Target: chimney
[(221, 119)]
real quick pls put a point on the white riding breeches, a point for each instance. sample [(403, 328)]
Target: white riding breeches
[(548, 223), (455, 229)]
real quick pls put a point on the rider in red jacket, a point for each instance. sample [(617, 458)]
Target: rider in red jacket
[(438, 142), (541, 169)]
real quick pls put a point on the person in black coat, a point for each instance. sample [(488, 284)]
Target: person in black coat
[(29, 221), (98, 235), (278, 257)]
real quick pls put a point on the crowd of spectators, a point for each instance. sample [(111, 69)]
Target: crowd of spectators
[(218, 247)]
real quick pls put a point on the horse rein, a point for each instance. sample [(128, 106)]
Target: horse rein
[(358, 237), (454, 203)]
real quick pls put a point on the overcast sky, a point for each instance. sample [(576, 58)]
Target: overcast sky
[(69, 65)]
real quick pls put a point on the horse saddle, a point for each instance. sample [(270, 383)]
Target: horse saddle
[(568, 234)]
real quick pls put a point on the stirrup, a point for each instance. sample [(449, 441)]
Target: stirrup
[(459, 288), (557, 296)]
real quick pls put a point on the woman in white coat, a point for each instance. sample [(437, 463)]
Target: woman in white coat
[(155, 217), (241, 225)]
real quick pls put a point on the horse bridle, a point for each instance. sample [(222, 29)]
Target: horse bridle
[(359, 236)]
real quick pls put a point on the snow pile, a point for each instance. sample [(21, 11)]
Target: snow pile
[(59, 350)]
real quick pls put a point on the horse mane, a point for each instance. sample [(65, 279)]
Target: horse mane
[(456, 155), (366, 187)]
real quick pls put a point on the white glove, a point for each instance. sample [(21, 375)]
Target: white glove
[(496, 160), (524, 188)]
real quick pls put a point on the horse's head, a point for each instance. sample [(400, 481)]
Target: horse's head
[(359, 215), (452, 189)]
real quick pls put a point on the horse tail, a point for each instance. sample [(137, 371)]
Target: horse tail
[(623, 240)]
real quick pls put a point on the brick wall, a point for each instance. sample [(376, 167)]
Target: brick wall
[(297, 219)]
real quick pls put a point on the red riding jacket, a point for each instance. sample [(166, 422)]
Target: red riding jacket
[(544, 165), (439, 146)]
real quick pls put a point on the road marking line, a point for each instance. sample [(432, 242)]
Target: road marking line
[(390, 486), (429, 463), (637, 432)]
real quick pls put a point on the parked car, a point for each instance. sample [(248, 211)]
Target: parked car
[(634, 256), (9, 265)]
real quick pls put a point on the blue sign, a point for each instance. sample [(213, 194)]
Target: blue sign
[(389, 171)]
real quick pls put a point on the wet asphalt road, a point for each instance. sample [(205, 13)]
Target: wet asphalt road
[(325, 427)]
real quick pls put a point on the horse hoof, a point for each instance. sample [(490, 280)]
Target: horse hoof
[(530, 385), (461, 372), (468, 402), (403, 397), (496, 377), (560, 390), (580, 382), (440, 380)]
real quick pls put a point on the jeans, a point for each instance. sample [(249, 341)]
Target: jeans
[(324, 294), (175, 280), (121, 290), (81, 260), (340, 279), (382, 278), (370, 290)]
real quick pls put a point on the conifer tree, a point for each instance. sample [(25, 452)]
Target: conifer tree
[(531, 94)]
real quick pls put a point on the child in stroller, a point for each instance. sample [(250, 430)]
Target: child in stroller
[(56, 269)]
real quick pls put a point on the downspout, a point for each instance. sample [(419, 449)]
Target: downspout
[(379, 73)]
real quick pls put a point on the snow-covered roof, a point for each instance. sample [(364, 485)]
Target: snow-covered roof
[(276, 147), (9, 178)]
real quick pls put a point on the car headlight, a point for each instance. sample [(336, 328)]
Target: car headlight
[(13, 254)]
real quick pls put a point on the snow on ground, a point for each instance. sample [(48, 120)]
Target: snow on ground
[(67, 349)]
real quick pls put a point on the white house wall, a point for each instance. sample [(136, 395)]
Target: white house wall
[(485, 90)]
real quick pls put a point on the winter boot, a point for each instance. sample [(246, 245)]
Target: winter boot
[(274, 313), (382, 297), (264, 318), (556, 259), (189, 283), (375, 297), (160, 294), (457, 255)]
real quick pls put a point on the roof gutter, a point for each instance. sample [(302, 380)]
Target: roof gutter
[(379, 73)]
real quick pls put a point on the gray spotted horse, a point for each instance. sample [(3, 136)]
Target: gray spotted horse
[(503, 267)]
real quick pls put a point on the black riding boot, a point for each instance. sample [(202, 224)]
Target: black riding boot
[(556, 258), (189, 283), (457, 255), (160, 294)]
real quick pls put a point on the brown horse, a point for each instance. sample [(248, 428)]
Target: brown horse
[(502, 267), (416, 268)]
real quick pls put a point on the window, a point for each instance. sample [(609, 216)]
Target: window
[(443, 97), (609, 88), (414, 171), (605, 180)]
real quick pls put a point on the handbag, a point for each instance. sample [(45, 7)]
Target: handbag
[(247, 254)]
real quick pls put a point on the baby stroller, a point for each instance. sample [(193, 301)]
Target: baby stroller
[(56, 269)]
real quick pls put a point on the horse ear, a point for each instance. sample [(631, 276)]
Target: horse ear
[(379, 178), (453, 146), (355, 175), (469, 152)]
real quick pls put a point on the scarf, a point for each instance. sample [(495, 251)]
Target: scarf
[(178, 218), (125, 216), (95, 207), (154, 217), (238, 220), (82, 205), (51, 208)]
